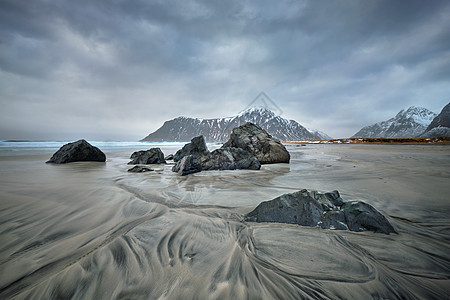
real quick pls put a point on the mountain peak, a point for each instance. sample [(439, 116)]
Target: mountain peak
[(257, 109), (406, 124), (182, 129)]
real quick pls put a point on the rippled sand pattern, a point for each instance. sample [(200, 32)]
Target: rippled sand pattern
[(95, 231)]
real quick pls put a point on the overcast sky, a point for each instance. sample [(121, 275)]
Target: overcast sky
[(116, 70)]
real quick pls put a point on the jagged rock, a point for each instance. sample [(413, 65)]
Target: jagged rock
[(77, 151), (151, 156), (334, 198), (230, 159), (197, 148), (258, 142), (140, 169), (311, 208), (169, 157), (187, 165), (361, 216)]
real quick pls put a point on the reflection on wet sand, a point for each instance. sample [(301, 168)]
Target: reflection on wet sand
[(91, 230)]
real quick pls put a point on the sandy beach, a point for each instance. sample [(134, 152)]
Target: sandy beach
[(91, 230)]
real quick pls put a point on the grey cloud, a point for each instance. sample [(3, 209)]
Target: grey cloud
[(331, 65)]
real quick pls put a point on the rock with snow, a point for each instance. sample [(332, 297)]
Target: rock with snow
[(406, 124), (440, 126), (197, 147), (80, 150), (324, 210), (151, 156), (258, 142), (182, 129)]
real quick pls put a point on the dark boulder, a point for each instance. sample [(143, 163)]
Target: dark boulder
[(140, 169), (151, 156), (169, 157), (311, 208), (296, 208), (77, 151), (258, 142), (197, 148), (229, 159), (187, 165)]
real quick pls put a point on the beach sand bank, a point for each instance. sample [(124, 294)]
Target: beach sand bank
[(95, 231)]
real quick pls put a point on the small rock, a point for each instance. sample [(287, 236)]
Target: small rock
[(151, 156), (197, 147), (169, 157), (258, 142), (140, 169), (187, 165), (77, 151)]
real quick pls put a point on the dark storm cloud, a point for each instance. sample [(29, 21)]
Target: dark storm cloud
[(118, 69)]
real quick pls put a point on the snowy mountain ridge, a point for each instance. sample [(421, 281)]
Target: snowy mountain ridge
[(440, 126), (407, 123), (182, 129)]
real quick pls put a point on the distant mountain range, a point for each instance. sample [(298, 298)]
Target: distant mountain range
[(406, 124), (182, 129), (440, 126)]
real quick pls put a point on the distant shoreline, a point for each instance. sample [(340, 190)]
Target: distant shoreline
[(412, 141)]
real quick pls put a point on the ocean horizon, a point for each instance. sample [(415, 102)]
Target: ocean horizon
[(53, 145)]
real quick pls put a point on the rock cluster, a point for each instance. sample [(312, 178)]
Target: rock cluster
[(77, 151), (197, 158), (151, 156), (248, 147), (325, 210)]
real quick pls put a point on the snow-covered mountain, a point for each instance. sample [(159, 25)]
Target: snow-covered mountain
[(406, 124), (440, 126), (182, 129)]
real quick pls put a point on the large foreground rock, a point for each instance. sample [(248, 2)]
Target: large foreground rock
[(230, 159), (77, 151), (258, 142), (311, 208), (197, 148), (187, 165), (151, 156)]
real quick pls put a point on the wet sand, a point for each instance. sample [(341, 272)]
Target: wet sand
[(94, 231)]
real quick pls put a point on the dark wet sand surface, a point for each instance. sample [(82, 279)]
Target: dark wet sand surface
[(95, 231)]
